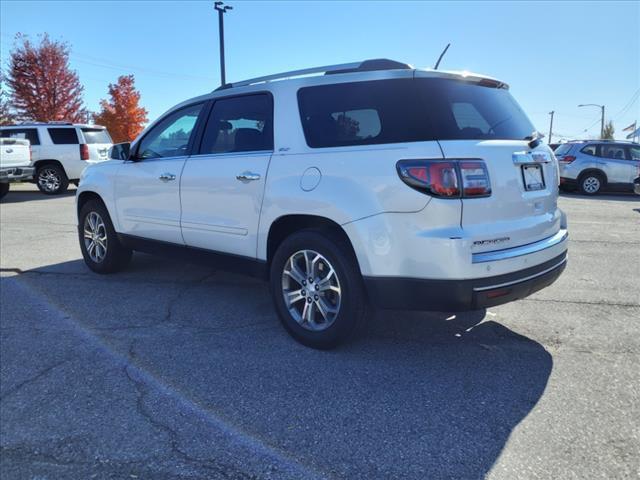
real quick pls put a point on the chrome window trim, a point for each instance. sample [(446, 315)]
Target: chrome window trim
[(524, 279), (513, 252)]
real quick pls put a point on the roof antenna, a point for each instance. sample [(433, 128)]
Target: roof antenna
[(441, 55)]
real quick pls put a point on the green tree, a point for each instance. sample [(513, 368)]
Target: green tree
[(608, 132)]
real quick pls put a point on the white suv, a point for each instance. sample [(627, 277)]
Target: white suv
[(375, 182), (61, 151)]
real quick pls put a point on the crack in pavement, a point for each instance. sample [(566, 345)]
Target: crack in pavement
[(582, 302), (32, 379)]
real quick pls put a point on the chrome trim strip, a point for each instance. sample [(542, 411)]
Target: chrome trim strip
[(520, 280), (513, 252)]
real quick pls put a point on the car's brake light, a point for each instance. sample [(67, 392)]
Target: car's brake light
[(435, 177), (567, 158), (84, 151), (446, 178)]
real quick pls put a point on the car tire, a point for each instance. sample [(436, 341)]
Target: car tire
[(591, 183), (319, 273), (99, 243), (51, 179), (4, 189)]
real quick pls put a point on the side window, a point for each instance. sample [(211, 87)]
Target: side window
[(239, 124), (612, 151), (589, 150), (63, 136), (30, 134), (634, 153), (170, 137)]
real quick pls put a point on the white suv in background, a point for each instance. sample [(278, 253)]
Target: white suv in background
[(375, 182), (61, 151)]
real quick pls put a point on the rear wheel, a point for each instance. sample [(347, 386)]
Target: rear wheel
[(101, 249), (591, 183), (51, 179), (317, 289), (4, 189)]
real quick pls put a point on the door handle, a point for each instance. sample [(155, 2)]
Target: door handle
[(9, 150), (248, 177), (167, 177)]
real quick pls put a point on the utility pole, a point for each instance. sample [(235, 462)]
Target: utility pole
[(551, 126), (222, 9), (601, 107)]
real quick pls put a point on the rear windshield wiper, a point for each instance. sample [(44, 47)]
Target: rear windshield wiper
[(535, 138)]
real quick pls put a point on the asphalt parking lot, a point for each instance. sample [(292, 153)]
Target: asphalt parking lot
[(181, 371)]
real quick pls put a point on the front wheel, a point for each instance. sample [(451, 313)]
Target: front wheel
[(317, 289), (4, 189), (51, 179), (101, 249)]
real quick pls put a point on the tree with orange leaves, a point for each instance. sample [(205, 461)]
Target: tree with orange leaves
[(41, 84), (122, 114)]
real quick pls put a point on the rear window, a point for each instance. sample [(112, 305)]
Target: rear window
[(30, 134), (96, 135), (406, 110), (63, 136), (563, 149)]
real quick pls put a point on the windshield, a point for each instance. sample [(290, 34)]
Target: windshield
[(462, 110), (96, 135)]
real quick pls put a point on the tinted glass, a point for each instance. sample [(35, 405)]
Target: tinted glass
[(239, 124), (96, 135), (63, 136), (563, 149), (612, 151), (461, 110), (635, 153), (30, 134), (406, 110), (589, 150), (170, 137), (362, 113)]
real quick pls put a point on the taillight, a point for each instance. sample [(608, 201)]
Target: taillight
[(84, 151), (567, 158), (446, 178), (475, 179)]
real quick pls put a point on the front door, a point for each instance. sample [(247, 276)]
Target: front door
[(222, 185), (147, 192)]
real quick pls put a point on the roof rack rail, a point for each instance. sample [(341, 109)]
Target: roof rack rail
[(54, 122), (364, 66)]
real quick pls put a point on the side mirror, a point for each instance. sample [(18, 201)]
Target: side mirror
[(120, 151)]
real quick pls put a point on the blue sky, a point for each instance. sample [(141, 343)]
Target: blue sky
[(554, 55)]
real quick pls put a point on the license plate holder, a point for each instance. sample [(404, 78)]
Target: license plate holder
[(532, 177)]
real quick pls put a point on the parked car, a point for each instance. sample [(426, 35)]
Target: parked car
[(593, 165), (375, 182), (15, 163), (61, 151)]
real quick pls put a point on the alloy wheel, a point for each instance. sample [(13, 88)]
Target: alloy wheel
[(49, 180), (95, 237), (591, 184), (311, 290)]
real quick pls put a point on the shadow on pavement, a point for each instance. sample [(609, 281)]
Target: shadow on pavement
[(418, 395), (19, 196), (610, 196)]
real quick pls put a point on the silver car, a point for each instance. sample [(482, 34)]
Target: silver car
[(590, 166)]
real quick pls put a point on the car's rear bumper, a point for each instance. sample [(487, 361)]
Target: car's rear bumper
[(461, 295), (14, 174)]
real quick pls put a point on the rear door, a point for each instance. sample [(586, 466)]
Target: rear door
[(616, 163), (482, 121), (222, 187), (98, 142)]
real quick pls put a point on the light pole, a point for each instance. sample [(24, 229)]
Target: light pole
[(552, 112), (601, 107), (222, 9)]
